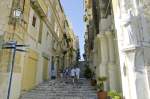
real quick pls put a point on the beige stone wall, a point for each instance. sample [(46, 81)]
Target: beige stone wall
[(6, 31)]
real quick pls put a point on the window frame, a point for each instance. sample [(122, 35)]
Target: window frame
[(34, 19)]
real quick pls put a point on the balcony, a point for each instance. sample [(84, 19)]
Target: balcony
[(40, 6)]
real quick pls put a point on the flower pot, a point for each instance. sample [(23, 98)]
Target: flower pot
[(102, 95)]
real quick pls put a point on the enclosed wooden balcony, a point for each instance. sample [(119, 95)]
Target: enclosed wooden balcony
[(40, 6)]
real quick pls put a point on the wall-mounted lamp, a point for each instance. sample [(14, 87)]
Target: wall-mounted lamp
[(17, 13)]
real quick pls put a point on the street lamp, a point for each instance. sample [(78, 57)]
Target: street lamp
[(15, 47), (17, 13)]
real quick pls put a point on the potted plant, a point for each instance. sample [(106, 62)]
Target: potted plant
[(100, 88), (93, 80), (88, 73), (114, 95)]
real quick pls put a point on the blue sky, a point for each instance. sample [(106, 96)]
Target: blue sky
[(74, 11)]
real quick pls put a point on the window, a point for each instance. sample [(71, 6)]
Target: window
[(55, 28), (47, 36), (40, 32), (34, 21), (49, 14), (58, 32), (1, 42), (52, 63)]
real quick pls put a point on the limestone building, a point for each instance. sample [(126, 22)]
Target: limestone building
[(41, 24), (117, 44), (71, 54)]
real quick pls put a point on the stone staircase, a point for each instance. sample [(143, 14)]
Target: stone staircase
[(62, 89)]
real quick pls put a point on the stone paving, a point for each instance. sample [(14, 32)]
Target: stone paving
[(62, 89)]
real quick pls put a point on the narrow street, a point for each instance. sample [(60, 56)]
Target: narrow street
[(62, 89), (42, 42)]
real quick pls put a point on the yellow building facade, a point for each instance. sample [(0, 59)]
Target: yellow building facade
[(41, 27)]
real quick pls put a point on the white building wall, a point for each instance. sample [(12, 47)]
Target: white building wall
[(129, 22)]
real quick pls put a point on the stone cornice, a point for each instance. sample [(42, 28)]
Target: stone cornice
[(109, 33), (130, 48), (101, 35)]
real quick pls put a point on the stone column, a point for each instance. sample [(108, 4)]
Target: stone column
[(111, 63), (104, 58)]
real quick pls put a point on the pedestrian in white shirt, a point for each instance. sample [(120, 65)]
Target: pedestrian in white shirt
[(73, 74), (77, 73)]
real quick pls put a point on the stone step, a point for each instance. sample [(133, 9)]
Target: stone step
[(51, 94), (59, 97), (59, 89), (62, 97)]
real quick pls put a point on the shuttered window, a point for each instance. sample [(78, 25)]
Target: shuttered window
[(40, 32), (34, 21), (21, 4)]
